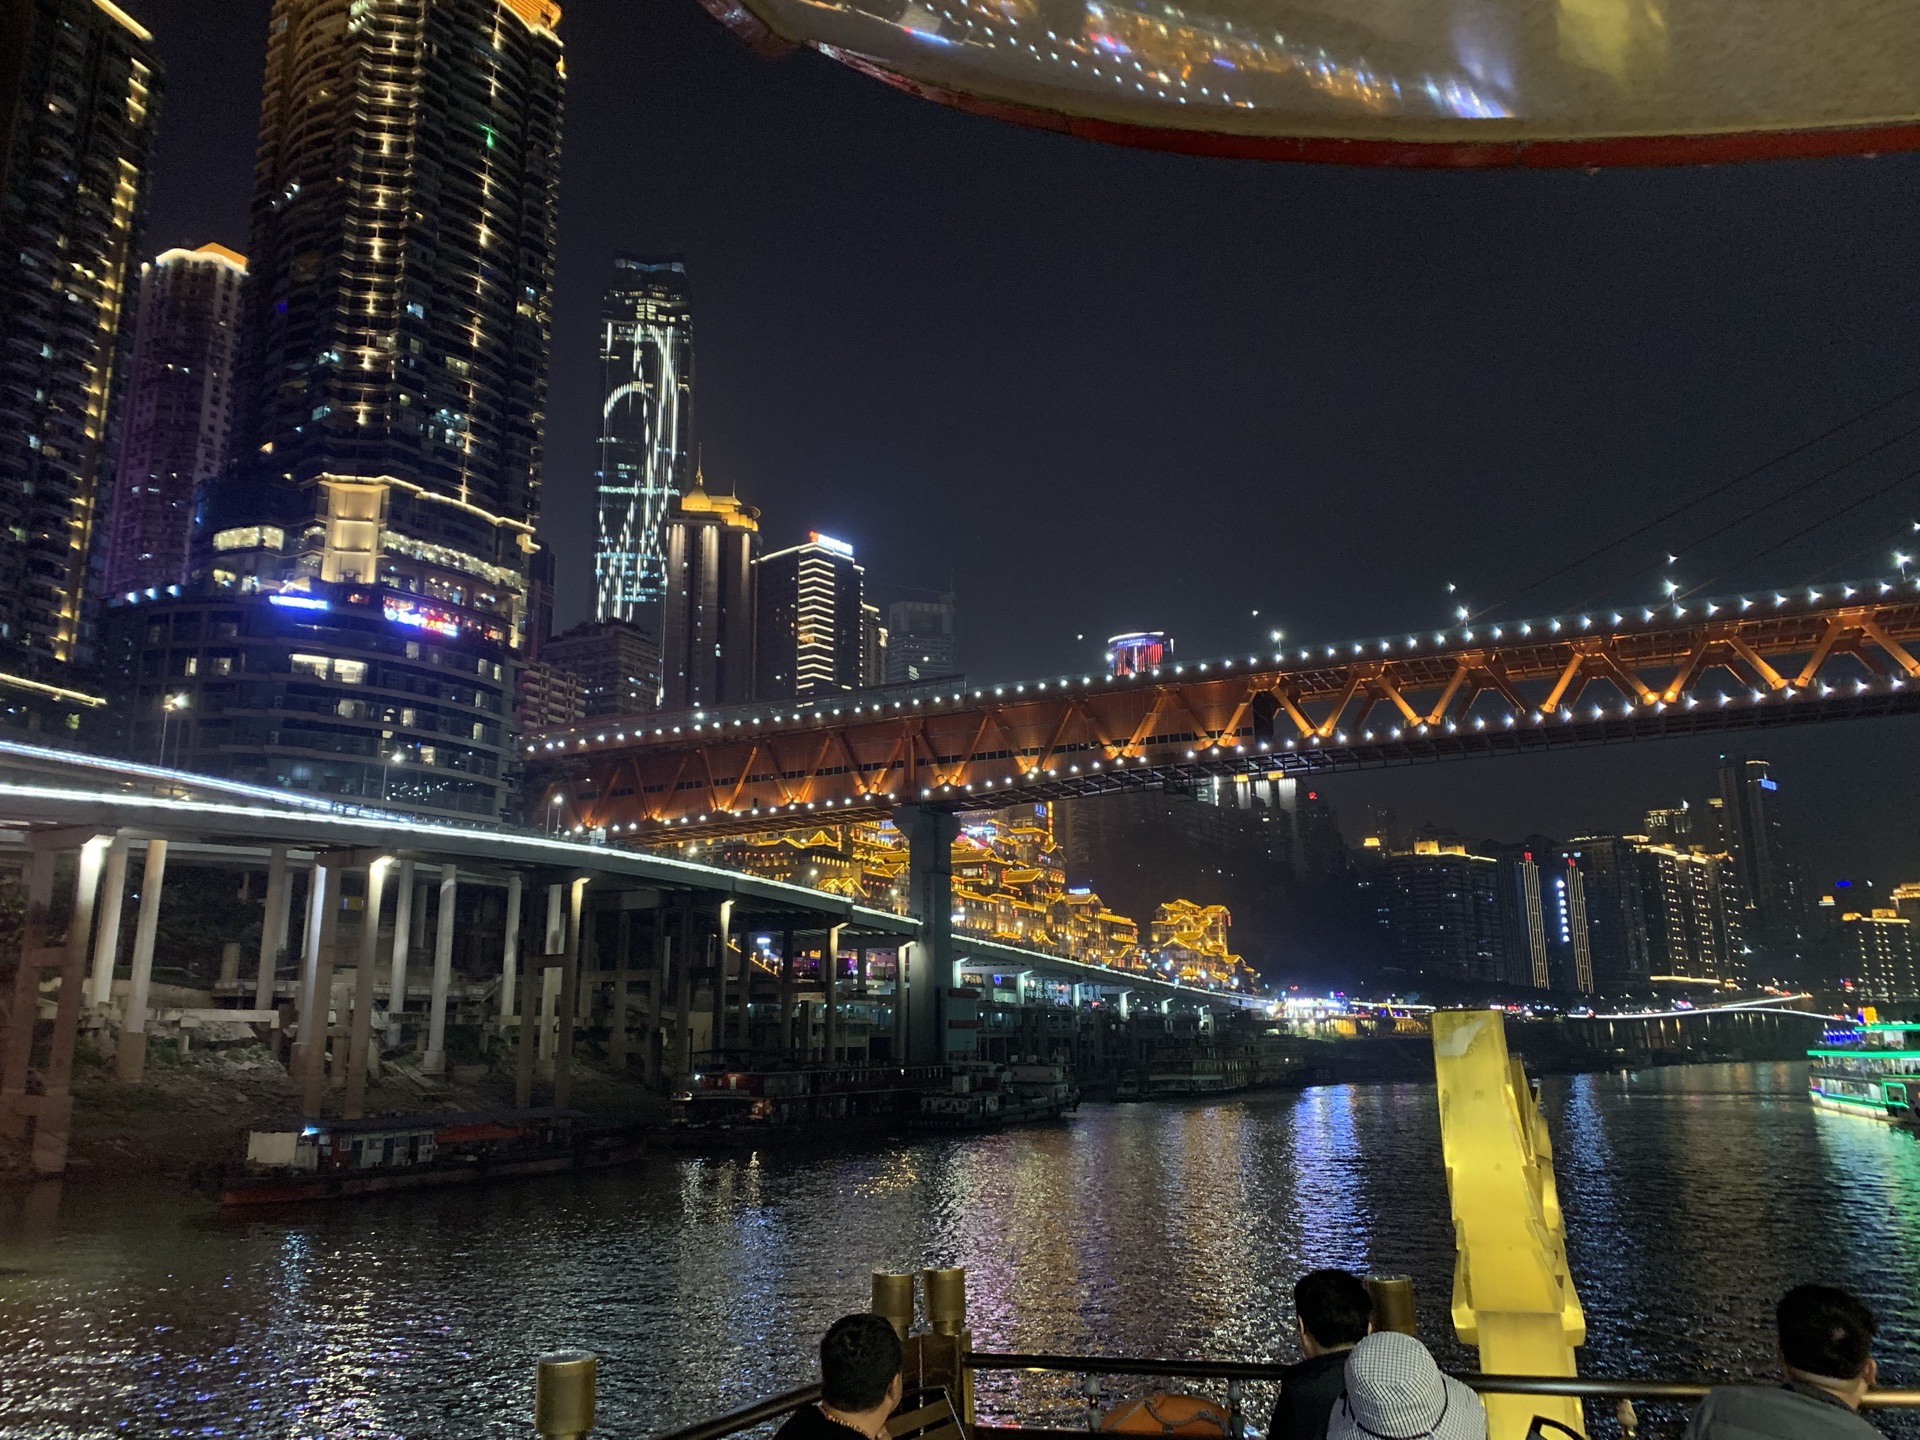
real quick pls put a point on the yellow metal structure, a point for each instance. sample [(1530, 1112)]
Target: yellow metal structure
[(1512, 1295)]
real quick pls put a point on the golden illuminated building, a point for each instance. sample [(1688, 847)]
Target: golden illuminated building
[(1009, 885)]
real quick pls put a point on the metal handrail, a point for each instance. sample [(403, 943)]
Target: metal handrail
[(1577, 1386), (757, 1413)]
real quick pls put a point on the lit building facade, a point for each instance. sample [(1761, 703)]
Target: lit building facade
[(377, 517), (1444, 909), (706, 631), (920, 641), (1771, 895), (809, 638), (1880, 953), (618, 665), (1611, 948), (549, 698), (646, 431), (176, 420), (1692, 915), (79, 97)]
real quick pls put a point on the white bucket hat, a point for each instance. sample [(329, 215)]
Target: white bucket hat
[(1395, 1391)]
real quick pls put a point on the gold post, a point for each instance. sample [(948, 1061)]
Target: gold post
[(947, 1300), (563, 1394), (1393, 1303), (893, 1298)]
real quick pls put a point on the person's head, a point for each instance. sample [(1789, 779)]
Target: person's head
[(1826, 1339), (860, 1364), (1333, 1308), (1394, 1389)]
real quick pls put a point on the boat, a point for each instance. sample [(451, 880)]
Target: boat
[(988, 1097), (312, 1159), (725, 1109), (1871, 1069)]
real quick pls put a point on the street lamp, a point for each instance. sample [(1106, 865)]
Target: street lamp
[(553, 815), (168, 705), (398, 757)]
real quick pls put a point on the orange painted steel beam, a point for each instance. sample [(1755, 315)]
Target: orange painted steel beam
[(1499, 689)]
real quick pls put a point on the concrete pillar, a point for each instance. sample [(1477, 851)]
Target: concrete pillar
[(405, 910), (53, 1124), (316, 1019), (722, 956), (683, 993), (360, 1033), (523, 1054), (617, 1011), (789, 983), (510, 948), (569, 987), (930, 835), (435, 1060), (830, 986), (320, 896), (24, 1013), (273, 927), (662, 945), (106, 946), (551, 945), (901, 954), (130, 1060)]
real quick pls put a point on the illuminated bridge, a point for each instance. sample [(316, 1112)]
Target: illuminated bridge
[(1746, 662)]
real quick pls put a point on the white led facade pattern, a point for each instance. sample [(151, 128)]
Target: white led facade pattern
[(646, 430)]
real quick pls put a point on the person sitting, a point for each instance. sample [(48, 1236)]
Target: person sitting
[(1395, 1391), (1332, 1313), (859, 1383), (1826, 1352)]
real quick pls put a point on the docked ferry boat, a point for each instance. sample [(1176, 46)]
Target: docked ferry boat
[(987, 1097), (1870, 1069)]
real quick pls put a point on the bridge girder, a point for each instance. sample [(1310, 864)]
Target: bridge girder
[(1745, 663)]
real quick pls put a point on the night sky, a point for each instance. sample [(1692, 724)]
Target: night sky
[(1098, 389)]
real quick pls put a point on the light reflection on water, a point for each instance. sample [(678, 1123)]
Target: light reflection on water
[(1693, 1198)]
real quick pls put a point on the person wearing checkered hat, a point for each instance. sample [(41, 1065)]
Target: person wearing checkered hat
[(1395, 1391)]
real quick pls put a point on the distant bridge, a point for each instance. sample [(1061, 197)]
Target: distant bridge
[(1746, 662)]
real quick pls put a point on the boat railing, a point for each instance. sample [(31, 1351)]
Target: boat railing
[(1237, 1374)]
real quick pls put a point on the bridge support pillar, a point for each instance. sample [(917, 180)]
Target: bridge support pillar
[(434, 1062), (930, 835), (683, 995), (316, 1011), (787, 993), (830, 993), (902, 955), (106, 945), (130, 1060), (510, 949), (404, 908), (617, 1011), (569, 988), (273, 927), (722, 957), (360, 1030), (50, 1113)]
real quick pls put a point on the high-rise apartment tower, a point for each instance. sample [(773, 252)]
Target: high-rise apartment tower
[(707, 628), (177, 417), (362, 568), (646, 431), (79, 96), (810, 629)]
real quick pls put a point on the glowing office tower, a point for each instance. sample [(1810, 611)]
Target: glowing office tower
[(79, 95), (811, 627), (707, 630), (646, 432), (177, 417), (371, 540)]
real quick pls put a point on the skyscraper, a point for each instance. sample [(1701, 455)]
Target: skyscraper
[(646, 431), (360, 594), (79, 95), (177, 415), (920, 642), (810, 625), (1771, 900), (707, 627), (1444, 905), (618, 665)]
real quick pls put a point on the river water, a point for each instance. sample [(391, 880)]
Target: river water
[(1693, 1196)]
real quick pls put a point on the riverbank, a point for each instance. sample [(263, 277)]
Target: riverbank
[(191, 1113)]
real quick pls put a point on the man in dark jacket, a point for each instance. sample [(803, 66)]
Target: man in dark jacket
[(1826, 1345), (859, 1383), (1332, 1313)]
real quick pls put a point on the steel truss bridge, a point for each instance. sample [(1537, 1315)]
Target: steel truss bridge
[(1746, 662)]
